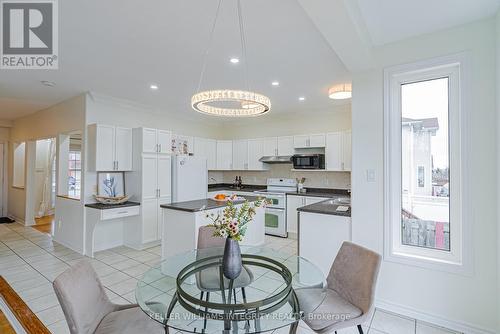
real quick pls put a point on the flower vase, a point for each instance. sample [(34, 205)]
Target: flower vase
[(231, 260)]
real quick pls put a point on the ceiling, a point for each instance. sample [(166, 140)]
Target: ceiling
[(119, 48), (392, 20)]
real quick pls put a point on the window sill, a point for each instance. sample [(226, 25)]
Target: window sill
[(430, 263)]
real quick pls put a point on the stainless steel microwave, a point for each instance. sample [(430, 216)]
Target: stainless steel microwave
[(308, 161)]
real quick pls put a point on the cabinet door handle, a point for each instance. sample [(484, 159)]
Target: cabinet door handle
[(159, 148), (117, 166), (343, 166), (159, 192)]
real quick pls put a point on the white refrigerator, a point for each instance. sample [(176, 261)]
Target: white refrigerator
[(189, 178)]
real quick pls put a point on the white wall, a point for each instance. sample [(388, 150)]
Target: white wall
[(335, 119), (64, 117), (466, 302)]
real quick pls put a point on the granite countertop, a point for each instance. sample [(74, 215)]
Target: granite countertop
[(229, 187), (203, 204), (326, 208), (100, 206), (322, 192)]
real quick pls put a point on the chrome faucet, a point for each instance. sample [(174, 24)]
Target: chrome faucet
[(213, 179)]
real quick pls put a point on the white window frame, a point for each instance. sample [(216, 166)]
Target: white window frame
[(459, 258)]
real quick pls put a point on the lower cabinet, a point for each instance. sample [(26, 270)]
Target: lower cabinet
[(321, 252), (295, 202)]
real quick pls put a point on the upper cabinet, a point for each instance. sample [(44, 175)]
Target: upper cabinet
[(206, 148), (240, 154), (270, 147), (338, 151), (256, 151), (224, 154), (309, 141), (274, 146), (285, 145), (154, 140), (110, 148)]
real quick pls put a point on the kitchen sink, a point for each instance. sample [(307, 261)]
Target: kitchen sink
[(342, 200)]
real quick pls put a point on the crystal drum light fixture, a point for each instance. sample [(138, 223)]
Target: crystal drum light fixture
[(340, 92)]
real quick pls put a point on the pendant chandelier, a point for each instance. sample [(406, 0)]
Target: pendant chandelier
[(229, 102)]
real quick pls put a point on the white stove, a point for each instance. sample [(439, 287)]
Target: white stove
[(276, 211)]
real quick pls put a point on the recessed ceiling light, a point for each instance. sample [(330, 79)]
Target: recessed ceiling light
[(153, 87), (234, 60), (48, 83), (275, 83), (302, 98)]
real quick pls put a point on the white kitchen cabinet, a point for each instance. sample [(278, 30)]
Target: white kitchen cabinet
[(153, 140), (346, 150), (270, 146), (301, 141), (293, 202), (240, 154), (285, 145), (224, 154), (338, 151), (322, 254), (317, 140), (150, 184), (206, 148), (333, 151), (309, 141), (164, 141), (110, 148), (255, 152)]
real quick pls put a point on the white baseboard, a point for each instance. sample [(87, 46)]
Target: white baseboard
[(17, 219), (141, 247), (459, 326), (76, 249)]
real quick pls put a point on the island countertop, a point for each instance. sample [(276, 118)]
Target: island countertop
[(204, 204)]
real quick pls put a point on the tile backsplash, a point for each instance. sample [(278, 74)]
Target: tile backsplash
[(315, 179)]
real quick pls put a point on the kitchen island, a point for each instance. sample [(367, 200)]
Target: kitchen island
[(181, 221)]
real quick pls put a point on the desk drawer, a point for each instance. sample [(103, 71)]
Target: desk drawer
[(120, 212)]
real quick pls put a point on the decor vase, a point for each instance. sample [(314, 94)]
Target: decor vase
[(231, 260)]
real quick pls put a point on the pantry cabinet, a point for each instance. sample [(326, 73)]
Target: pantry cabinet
[(110, 148)]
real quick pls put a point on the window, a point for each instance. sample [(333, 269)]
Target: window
[(421, 176), (19, 165), (75, 174), (424, 198)]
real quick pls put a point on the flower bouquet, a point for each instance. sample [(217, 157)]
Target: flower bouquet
[(232, 225)]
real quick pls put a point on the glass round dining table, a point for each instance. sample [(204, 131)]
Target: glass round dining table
[(188, 292)]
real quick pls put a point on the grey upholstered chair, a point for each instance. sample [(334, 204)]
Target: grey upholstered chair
[(350, 291), (88, 309), (208, 280)]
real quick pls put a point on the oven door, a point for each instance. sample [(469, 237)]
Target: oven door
[(276, 222)]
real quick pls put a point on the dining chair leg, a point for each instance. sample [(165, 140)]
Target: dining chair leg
[(360, 329), (206, 310)]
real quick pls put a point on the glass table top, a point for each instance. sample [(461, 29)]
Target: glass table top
[(188, 292)]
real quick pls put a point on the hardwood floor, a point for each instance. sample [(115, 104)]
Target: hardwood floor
[(45, 224), (5, 327)]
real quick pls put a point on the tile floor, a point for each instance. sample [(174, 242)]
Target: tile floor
[(30, 261)]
